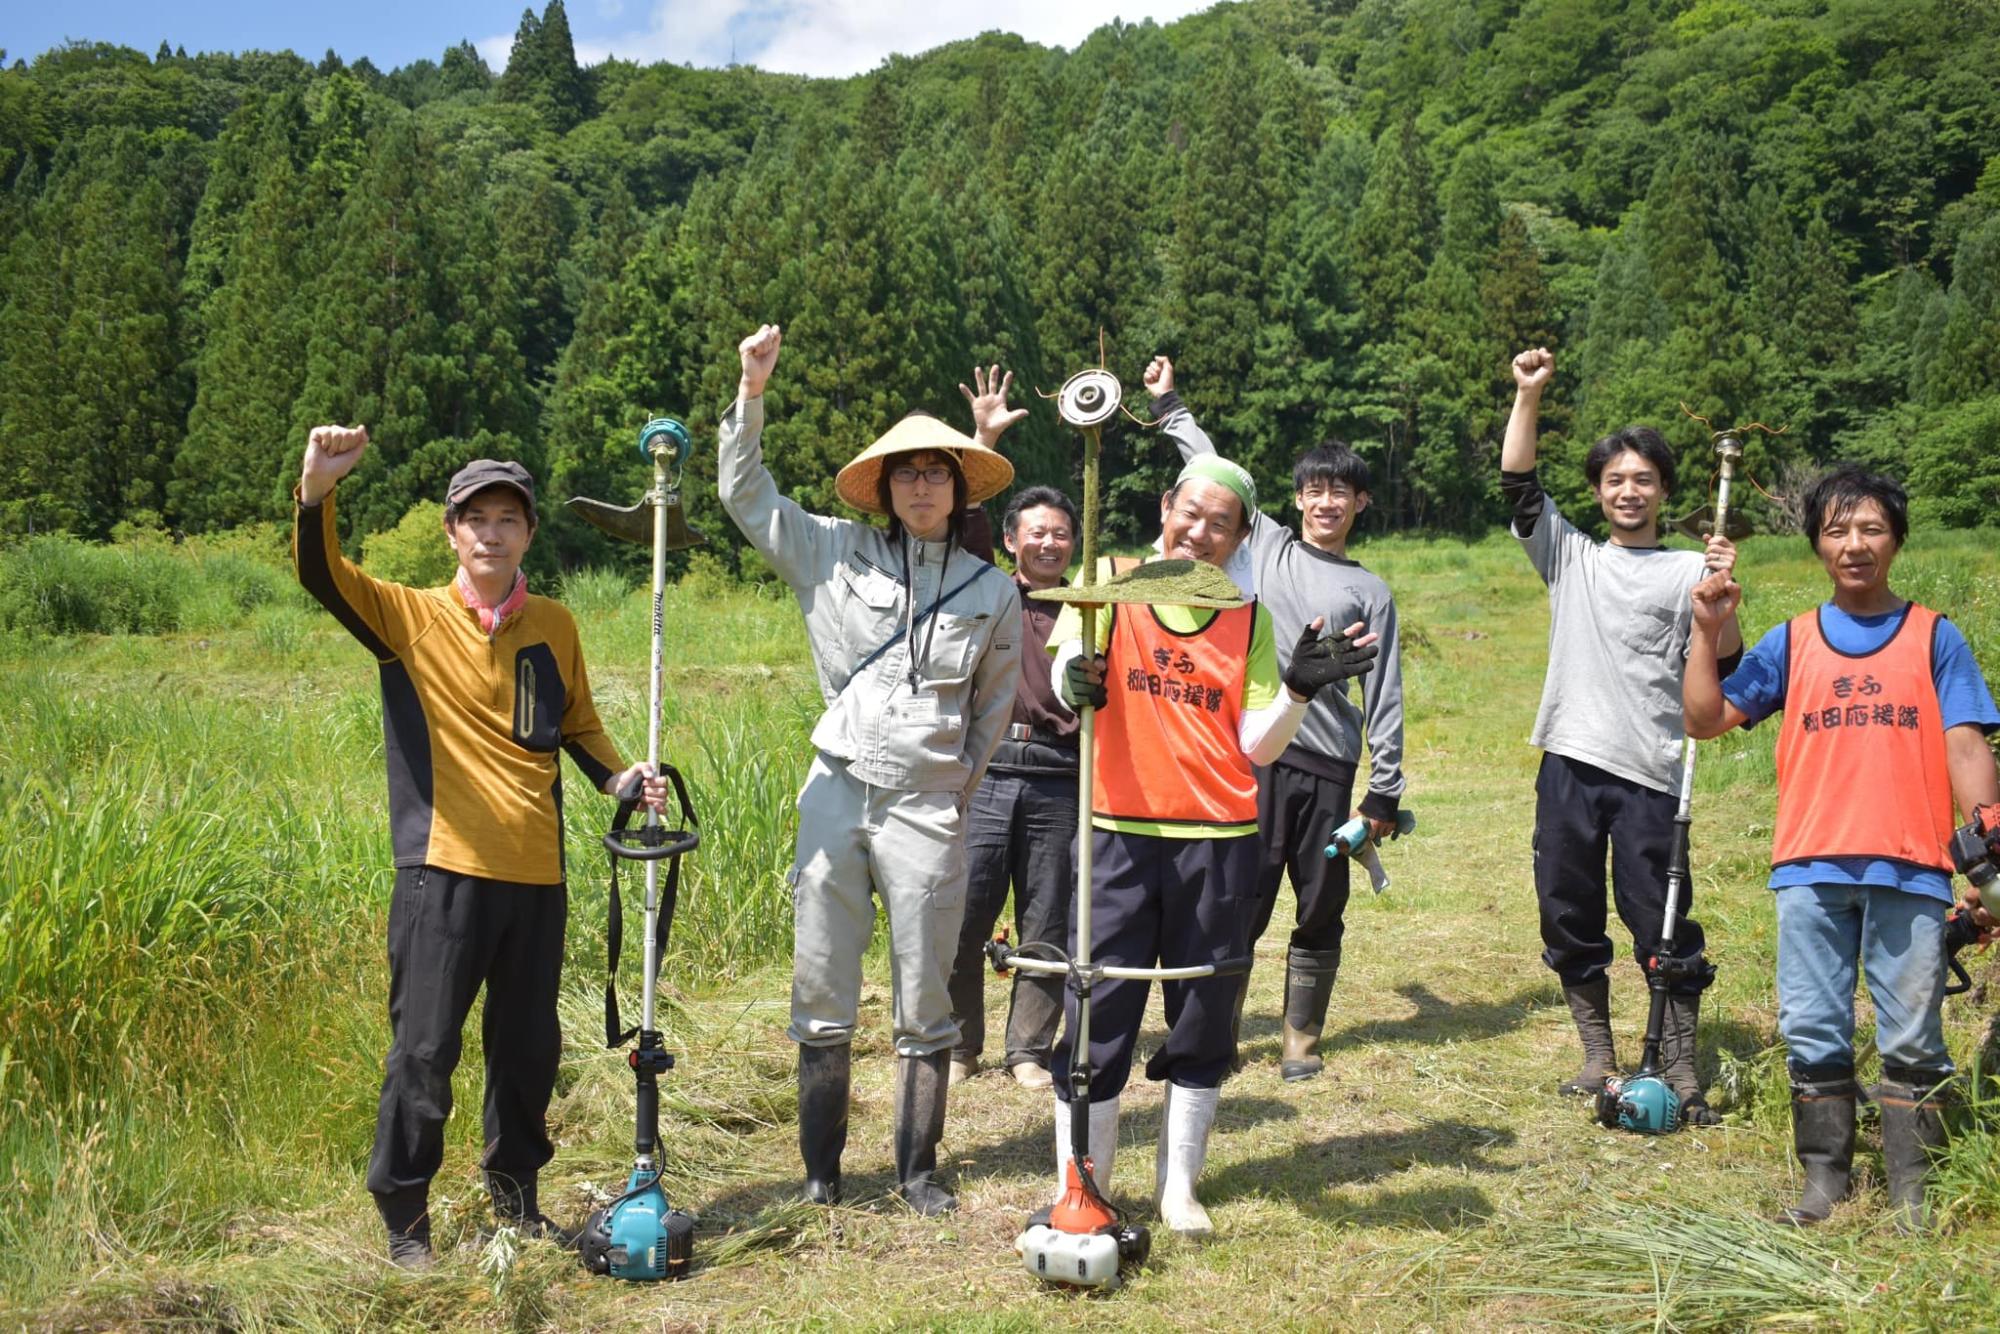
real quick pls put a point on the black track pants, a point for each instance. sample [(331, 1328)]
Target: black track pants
[(1297, 813), (448, 935), (1021, 830), (1171, 902), (1580, 810)]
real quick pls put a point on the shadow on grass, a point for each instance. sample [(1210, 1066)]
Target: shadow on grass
[(1304, 1175), (1422, 1208), (1438, 1019)]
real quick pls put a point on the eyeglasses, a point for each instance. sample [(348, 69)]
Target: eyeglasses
[(937, 474)]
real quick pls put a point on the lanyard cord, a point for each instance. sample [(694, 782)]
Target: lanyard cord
[(916, 659)]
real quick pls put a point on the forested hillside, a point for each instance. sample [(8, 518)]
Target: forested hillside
[(1338, 218)]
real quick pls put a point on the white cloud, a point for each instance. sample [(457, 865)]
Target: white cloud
[(835, 38)]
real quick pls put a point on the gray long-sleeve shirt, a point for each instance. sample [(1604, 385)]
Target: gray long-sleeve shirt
[(1298, 582), (857, 588)]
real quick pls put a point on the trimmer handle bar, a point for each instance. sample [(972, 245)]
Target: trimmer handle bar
[(652, 842)]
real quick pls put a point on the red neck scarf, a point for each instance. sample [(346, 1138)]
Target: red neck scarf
[(493, 615)]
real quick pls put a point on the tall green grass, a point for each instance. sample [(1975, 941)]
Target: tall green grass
[(55, 585)]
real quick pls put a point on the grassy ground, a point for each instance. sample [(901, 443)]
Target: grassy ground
[(189, 1094)]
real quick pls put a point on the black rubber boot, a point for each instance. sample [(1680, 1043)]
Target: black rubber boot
[(1309, 978), (1590, 1006), (920, 1094), (1236, 1026), (407, 1216), (515, 1204), (1912, 1132), (1678, 1056), (1823, 1138), (824, 1075)]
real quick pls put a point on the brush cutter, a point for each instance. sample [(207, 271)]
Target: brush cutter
[(1975, 851), (1645, 1103), (1355, 839), (1085, 1240), (639, 1235)]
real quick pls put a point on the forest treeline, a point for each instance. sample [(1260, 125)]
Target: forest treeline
[(1339, 217)]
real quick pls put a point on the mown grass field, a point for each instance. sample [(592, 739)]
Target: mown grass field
[(193, 888)]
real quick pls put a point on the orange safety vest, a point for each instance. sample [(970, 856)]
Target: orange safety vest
[(1169, 741), (1862, 770)]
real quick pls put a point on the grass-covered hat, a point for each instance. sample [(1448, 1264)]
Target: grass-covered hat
[(987, 472)]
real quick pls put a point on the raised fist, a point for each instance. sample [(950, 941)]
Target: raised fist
[(760, 354), (331, 454), (1533, 368)]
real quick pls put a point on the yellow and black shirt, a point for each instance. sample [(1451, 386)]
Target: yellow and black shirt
[(471, 725)]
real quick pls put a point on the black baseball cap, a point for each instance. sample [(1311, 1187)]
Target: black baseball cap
[(479, 474)]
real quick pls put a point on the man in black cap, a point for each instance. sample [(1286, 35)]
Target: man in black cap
[(482, 684)]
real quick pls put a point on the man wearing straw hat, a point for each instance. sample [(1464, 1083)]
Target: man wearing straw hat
[(917, 650), (1188, 700)]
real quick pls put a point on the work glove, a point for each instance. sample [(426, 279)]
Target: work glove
[(1318, 663), (1078, 689)]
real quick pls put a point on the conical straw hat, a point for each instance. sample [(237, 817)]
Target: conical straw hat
[(987, 472)]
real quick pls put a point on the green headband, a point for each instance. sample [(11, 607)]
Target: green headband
[(1217, 469)]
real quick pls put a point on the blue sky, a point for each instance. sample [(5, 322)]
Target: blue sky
[(822, 37)]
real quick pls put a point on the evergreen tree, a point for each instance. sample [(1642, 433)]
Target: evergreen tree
[(463, 70), (1304, 380), (1217, 257), (92, 395), (231, 467), (535, 214), (1957, 355), (408, 335), (541, 69), (1390, 241), (1391, 234)]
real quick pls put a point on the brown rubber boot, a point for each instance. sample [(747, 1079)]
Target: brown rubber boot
[(1309, 976), (1683, 1014), (1590, 1006)]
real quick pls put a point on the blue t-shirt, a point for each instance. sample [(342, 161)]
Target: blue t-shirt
[(1757, 687)]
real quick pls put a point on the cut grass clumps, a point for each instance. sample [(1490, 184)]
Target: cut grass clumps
[(1618, 1265)]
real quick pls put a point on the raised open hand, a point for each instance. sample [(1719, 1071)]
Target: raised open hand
[(990, 414)]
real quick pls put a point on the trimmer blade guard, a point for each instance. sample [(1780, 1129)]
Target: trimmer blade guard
[(1158, 583), (1697, 524), (634, 523)]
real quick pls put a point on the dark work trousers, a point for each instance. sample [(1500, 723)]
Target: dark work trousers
[(1579, 809), (1170, 902), (1021, 830), (449, 933), (1297, 813)]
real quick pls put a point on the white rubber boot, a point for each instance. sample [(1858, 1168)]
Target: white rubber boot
[(1189, 1117), (1103, 1143)]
